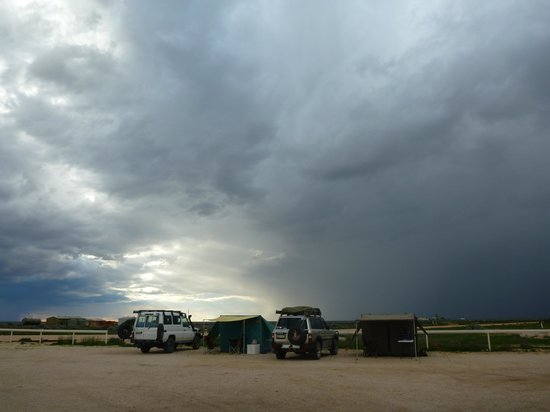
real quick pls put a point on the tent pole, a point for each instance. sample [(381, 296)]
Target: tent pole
[(415, 337), (357, 340)]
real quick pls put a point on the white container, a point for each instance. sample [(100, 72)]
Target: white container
[(253, 349)]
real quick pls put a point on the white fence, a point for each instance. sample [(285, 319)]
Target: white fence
[(61, 332), (488, 332)]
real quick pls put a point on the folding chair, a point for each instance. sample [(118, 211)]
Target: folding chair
[(235, 345)]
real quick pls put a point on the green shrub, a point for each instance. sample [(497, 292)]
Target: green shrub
[(347, 341), (63, 341)]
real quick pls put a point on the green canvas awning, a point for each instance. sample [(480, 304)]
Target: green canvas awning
[(232, 318), (247, 328)]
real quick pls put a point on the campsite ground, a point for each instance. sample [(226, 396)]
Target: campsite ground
[(48, 378)]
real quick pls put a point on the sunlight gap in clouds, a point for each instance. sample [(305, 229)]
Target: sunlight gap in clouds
[(186, 271)]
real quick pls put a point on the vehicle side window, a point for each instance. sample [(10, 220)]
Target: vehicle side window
[(176, 319), (140, 321), (312, 323), (167, 319), (184, 321), (151, 321), (316, 323)]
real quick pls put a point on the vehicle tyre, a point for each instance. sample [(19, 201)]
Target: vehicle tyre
[(280, 354), (334, 348), (316, 350), (170, 345), (145, 348), (296, 336), (124, 331), (196, 342)]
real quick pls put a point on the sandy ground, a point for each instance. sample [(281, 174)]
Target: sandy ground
[(63, 378)]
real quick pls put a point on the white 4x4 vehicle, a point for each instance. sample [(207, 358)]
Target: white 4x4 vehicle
[(163, 329)]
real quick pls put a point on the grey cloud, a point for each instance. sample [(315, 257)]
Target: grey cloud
[(76, 68)]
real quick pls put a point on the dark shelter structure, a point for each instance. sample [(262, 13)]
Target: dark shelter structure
[(237, 331), (389, 335)]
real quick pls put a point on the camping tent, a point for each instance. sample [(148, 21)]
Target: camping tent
[(389, 335), (244, 329)]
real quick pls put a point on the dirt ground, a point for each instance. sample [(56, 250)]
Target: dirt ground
[(62, 378)]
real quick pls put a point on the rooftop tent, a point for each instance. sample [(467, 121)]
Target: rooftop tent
[(245, 329), (299, 310), (389, 335)]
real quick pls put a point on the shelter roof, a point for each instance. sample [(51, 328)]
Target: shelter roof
[(369, 317), (399, 316), (233, 318)]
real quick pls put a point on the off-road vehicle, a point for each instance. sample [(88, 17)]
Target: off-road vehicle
[(163, 329), (301, 329)]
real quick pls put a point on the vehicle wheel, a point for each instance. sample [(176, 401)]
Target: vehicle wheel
[(145, 348), (296, 336), (334, 348), (170, 345), (196, 342), (316, 351), (280, 354)]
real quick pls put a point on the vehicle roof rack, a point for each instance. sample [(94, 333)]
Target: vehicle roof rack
[(299, 310), (157, 310)]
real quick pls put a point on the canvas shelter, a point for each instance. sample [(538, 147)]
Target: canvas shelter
[(389, 335), (242, 330)]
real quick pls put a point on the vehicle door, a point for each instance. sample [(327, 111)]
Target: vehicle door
[(171, 328), (327, 334), (321, 330), (317, 329), (187, 331), (146, 326)]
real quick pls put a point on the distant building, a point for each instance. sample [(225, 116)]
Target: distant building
[(66, 322), (101, 323), (31, 322)]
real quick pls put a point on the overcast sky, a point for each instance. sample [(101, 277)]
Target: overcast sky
[(241, 156)]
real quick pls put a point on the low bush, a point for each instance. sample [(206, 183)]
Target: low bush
[(92, 341)]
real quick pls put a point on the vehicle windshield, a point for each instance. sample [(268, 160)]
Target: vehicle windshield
[(147, 321), (291, 323)]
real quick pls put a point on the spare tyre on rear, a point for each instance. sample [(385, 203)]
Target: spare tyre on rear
[(124, 330), (296, 336)]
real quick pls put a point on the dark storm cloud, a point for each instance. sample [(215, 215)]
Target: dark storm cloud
[(289, 153), (439, 201)]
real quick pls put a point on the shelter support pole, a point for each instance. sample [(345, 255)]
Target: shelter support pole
[(427, 344), (356, 340), (415, 339), (73, 338), (106, 333), (40, 337), (489, 342), (11, 335), (203, 332), (244, 336)]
